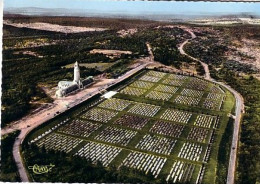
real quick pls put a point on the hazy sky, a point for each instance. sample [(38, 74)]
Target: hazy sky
[(140, 6)]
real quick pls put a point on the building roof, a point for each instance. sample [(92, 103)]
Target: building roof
[(65, 84)]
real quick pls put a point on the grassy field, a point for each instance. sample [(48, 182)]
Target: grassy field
[(98, 66), (129, 101)]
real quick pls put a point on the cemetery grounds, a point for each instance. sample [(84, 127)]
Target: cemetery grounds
[(168, 125)]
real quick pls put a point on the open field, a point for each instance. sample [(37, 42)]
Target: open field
[(53, 27), (98, 66), (226, 21), (163, 138)]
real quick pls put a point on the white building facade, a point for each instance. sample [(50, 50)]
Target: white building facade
[(66, 87)]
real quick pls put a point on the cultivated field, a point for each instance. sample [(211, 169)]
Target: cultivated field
[(163, 124)]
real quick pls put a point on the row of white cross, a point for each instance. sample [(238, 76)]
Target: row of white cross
[(212, 104), (187, 100), (198, 134), (99, 152), (166, 128), (180, 172), (144, 109), (190, 151), (59, 142), (192, 93), (145, 162), (49, 130), (173, 82), (156, 95), (116, 135), (176, 115), (197, 84), (166, 88), (132, 121), (133, 91), (150, 78), (79, 128), (142, 84), (101, 115), (115, 104), (156, 144), (204, 120)]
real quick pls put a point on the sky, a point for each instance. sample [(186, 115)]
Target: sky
[(138, 7)]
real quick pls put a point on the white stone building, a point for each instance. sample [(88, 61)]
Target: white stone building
[(66, 87)]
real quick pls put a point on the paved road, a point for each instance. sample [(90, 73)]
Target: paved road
[(233, 152), (17, 157), (34, 121), (238, 111), (205, 66)]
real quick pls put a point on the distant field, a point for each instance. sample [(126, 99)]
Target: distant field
[(160, 123), (53, 27), (98, 66)]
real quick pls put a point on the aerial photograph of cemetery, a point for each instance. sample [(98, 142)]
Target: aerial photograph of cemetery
[(137, 94)]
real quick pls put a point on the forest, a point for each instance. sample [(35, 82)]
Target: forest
[(9, 172)]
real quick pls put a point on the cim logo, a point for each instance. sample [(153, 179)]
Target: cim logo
[(41, 169)]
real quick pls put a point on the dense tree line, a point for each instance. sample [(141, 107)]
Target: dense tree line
[(9, 172), (133, 43), (156, 34), (239, 67), (209, 50)]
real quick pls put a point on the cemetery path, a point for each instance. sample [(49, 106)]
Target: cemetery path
[(238, 111)]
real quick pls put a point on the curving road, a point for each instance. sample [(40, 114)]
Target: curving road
[(238, 112), (205, 66)]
